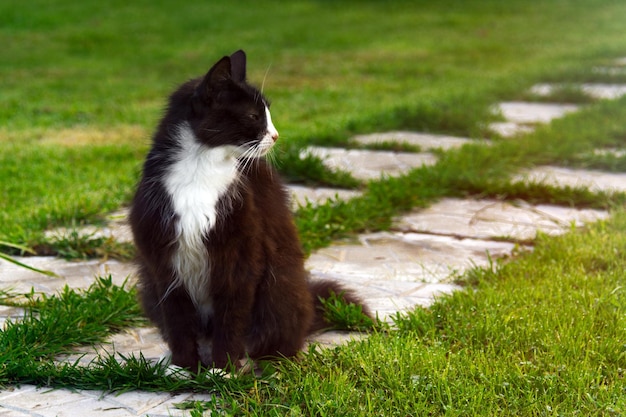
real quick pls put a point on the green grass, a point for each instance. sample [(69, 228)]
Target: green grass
[(83, 84)]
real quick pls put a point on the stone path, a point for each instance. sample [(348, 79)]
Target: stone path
[(409, 265)]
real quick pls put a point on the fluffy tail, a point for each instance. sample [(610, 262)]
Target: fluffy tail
[(324, 289)]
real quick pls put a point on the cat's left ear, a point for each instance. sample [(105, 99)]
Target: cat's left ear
[(238, 66), (219, 72), (213, 80)]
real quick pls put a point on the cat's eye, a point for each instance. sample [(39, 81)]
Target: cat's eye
[(253, 116)]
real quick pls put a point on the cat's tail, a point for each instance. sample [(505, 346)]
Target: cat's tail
[(325, 289)]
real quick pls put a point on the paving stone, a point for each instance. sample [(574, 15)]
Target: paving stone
[(411, 257), (145, 341), (617, 153), (509, 129), (118, 232), (558, 176), (598, 91), (75, 274), (9, 313), (154, 405), (424, 140), (492, 219), (318, 195), (117, 228), (368, 165), (30, 401), (520, 116), (334, 338), (385, 298), (45, 402), (520, 112), (609, 70)]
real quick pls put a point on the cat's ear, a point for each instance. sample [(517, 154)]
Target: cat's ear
[(211, 83), (238, 66), (219, 72), (214, 79), (228, 68)]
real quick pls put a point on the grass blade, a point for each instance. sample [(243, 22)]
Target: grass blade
[(23, 265)]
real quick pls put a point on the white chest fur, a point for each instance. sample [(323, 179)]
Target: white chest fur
[(196, 181)]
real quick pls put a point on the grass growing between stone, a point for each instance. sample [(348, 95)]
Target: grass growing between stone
[(482, 171)]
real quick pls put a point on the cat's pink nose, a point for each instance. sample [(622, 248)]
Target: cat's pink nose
[(274, 135)]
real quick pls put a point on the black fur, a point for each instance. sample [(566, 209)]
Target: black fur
[(263, 303)]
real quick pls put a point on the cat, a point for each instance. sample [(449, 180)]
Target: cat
[(221, 269)]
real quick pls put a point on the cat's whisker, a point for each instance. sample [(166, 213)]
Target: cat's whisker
[(248, 154), (265, 77), (272, 158)]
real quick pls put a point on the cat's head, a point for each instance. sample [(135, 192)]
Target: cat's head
[(227, 111)]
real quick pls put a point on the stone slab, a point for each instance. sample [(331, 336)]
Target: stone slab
[(9, 313), (597, 91), (492, 219), (73, 273), (425, 141), (334, 338), (609, 70), (120, 232), (614, 152), (531, 113), (387, 298), (568, 177), (117, 228), (509, 129), (28, 400), (318, 195), (136, 341), (369, 165), (405, 257)]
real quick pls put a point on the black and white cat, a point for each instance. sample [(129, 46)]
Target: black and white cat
[(221, 270)]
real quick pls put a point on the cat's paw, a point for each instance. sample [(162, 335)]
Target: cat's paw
[(205, 350)]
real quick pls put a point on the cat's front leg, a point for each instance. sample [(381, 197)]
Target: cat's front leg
[(180, 329), (231, 322)]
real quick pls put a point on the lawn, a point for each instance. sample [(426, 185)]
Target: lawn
[(82, 85)]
